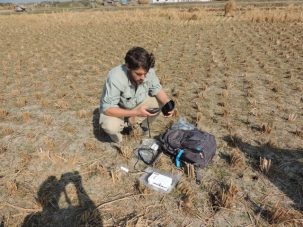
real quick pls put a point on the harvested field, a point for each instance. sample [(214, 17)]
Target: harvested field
[(239, 77)]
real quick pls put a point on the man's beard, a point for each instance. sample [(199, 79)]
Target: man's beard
[(139, 82)]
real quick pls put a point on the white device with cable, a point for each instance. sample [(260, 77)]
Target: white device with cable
[(160, 181)]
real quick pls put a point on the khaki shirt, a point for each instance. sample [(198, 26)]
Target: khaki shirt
[(118, 91)]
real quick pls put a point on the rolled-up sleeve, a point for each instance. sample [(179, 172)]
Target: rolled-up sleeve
[(154, 86), (111, 95)]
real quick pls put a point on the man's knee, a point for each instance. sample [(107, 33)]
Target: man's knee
[(111, 125)]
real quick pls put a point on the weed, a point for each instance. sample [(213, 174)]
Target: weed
[(3, 148), (143, 2), (90, 145), (12, 187), (61, 104), (15, 92), (229, 8), (279, 215), (126, 152), (69, 128), (21, 102), (299, 132), (47, 119), (97, 168), (141, 188), (225, 93), (49, 143), (26, 116), (83, 113), (266, 128), (292, 117), (45, 102), (264, 165), (8, 131), (236, 159), (184, 188), (3, 113), (225, 196)]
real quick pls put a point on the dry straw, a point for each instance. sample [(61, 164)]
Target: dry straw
[(230, 8), (265, 165), (3, 113), (236, 158), (90, 145), (275, 15), (225, 196), (187, 196), (280, 215)]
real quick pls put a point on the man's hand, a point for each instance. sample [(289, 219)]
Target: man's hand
[(142, 112), (170, 114)]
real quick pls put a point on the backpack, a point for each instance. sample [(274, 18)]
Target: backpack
[(192, 146)]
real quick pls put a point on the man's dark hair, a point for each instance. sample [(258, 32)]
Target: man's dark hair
[(138, 57)]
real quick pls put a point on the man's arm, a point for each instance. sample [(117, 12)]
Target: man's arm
[(119, 112), (162, 97)]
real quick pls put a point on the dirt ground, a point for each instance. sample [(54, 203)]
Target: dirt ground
[(239, 76)]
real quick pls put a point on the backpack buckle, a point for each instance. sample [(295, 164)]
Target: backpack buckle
[(180, 152)]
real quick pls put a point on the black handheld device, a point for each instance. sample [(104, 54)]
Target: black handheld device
[(169, 106), (153, 110)]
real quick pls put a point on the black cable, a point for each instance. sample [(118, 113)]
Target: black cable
[(148, 127)]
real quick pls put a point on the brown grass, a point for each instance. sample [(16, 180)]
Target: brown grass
[(266, 128), (225, 196), (90, 145), (280, 215), (26, 116), (12, 187), (3, 113), (62, 104), (3, 148), (264, 165), (8, 131), (21, 102), (292, 117), (49, 143), (273, 16), (236, 158), (83, 113), (229, 8), (47, 119), (143, 2)]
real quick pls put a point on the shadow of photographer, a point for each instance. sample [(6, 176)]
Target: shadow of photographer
[(48, 196), (286, 172)]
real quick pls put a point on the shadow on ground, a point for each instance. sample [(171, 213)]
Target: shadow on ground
[(98, 132), (85, 213), (286, 169)]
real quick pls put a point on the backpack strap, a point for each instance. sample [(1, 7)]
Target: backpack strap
[(198, 174), (180, 152)]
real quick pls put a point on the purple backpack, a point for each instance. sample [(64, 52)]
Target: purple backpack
[(192, 146)]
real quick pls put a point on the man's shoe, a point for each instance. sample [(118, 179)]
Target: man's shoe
[(127, 130)]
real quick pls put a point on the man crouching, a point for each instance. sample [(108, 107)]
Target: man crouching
[(130, 90)]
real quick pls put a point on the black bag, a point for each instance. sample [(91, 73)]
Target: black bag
[(192, 146)]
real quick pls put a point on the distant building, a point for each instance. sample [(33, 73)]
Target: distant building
[(176, 1), (20, 8)]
